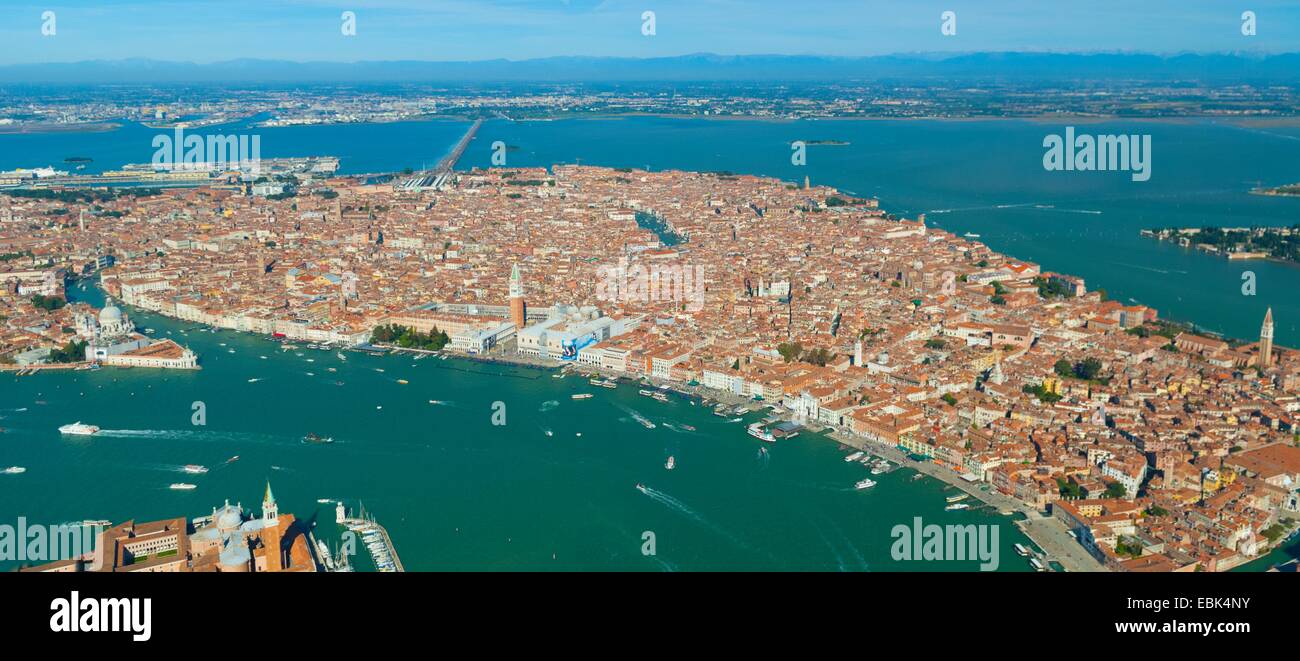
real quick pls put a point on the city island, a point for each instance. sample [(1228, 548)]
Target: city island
[(1146, 447)]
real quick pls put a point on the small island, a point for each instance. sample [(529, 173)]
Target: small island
[(1288, 190), (1236, 243)]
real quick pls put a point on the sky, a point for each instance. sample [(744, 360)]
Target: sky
[(442, 30)]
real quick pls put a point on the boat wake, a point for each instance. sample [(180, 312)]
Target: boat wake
[(690, 514), (841, 547), (548, 406), (188, 435), (1152, 270), (675, 505)]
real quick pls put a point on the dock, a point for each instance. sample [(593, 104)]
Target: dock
[(385, 558)]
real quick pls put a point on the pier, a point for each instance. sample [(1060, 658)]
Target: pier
[(367, 526)]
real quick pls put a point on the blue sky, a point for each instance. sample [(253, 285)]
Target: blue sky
[(300, 30)]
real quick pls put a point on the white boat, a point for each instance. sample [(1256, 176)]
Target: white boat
[(182, 486), (756, 430), (583, 395), (956, 506), (324, 501), (971, 235), (854, 457), (670, 463), (1038, 566), (78, 429), (194, 469), (865, 483), (254, 380), (643, 420), (343, 357), (1020, 549), (13, 470), (958, 498)]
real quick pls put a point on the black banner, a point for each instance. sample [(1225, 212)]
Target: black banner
[(1139, 610)]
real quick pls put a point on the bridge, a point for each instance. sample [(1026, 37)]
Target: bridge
[(435, 179)]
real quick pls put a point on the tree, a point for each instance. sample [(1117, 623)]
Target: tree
[(1088, 369), (1069, 489), (1063, 368), (935, 343), (72, 352), (789, 350), (48, 303), (947, 397), (1116, 490)]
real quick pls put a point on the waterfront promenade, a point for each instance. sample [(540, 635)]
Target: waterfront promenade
[(1049, 534)]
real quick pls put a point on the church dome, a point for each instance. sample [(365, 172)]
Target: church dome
[(110, 315)]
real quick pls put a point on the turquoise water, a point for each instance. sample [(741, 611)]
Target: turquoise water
[(454, 491), (459, 493)]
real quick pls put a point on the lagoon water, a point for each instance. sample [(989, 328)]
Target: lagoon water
[(454, 490), (459, 493)]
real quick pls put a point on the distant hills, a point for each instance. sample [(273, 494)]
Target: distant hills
[(1216, 68)]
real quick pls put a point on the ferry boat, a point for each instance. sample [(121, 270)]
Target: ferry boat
[(670, 463), (13, 470), (1038, 566), (194, 469), (182, 486), (603, 383), (583, 395), (643, 420), (864, 483), (956, 506), (958, 498), (319, 440), (1021, 550), (854, 457), (78, 429), (756, 430)]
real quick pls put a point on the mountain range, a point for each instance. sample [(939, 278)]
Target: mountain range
[(1011, 66)]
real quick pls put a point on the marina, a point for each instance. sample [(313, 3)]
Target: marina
[(374, 536)]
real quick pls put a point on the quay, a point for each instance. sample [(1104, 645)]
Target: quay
[(1045, 531)]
